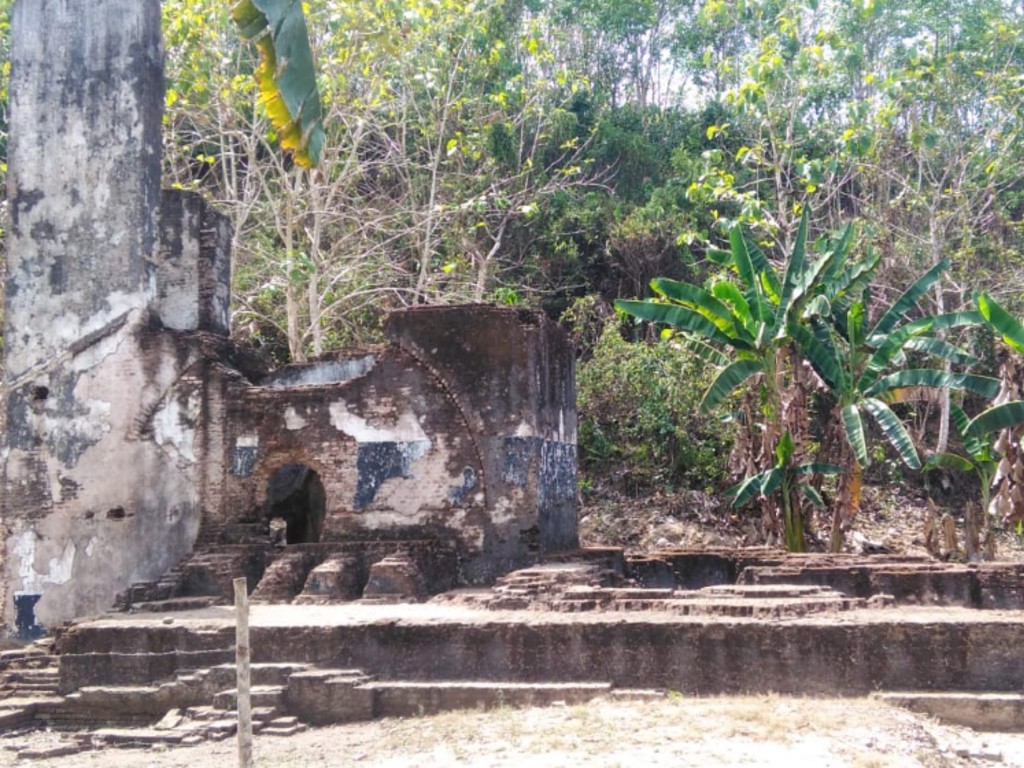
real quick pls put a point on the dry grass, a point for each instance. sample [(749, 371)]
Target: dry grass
[(674, 731)]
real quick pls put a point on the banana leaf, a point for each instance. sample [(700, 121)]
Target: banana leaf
[(909, 298), (999, 417), (855, 434), (941, 349), (682, 318), (985, 386), (698, 300), (948, 461), (749, 277), (818, 468), (746, 489), (731, 296), (286, 75), (728, 380), (1006, 325), (822, 356), (796, 271), (811, 494), (894, 432), (769, 280), (979, 450)]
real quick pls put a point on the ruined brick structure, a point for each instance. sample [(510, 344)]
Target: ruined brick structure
[(140, 451)]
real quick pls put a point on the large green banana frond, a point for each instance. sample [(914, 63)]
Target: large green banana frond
[(1003, 416), (1006, 325), (682, 318), (728, 380), (930, 378), (286, 75), (894, 431), (699, 300)]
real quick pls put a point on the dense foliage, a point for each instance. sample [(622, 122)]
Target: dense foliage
[(540, 151), (639, 426)]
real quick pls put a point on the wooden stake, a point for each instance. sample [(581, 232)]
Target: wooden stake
[(242, 656)]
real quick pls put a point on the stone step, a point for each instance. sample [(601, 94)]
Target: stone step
[(176, 604), (138, 736), (13, 718), (259, 696), (980, 711), (636, 694), (44, 674), (408, 699), (282, 730), (204, 713), (781, 590), (264, 673), (40, 686), (265, 714)]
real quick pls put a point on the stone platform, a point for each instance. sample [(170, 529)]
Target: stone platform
[(569, 629), (851, 652)]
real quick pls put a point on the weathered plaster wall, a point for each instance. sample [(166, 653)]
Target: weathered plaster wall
[(390, 448), (84, 171), (194, 266), (512, 374), (113, 501), (103, 421)]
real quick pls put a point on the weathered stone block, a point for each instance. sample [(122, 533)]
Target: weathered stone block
[(395, 578), (335, 579), (323, 696)]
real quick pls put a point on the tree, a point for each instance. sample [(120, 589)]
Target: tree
[(819, 313), (747, 330), (862, 366)]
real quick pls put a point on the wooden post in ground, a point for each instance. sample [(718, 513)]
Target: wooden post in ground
[(242, 656)]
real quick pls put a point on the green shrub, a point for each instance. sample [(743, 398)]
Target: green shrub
[(638, 419)]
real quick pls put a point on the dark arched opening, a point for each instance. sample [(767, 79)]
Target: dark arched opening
[(296, 496)]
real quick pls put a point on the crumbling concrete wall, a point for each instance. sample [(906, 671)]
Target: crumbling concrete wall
[(194, 265), (131, 433), (512, 374), (475, 447), (105, 409)]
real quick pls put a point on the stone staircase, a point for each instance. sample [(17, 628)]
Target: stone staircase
[(578, 587), (196, 705), (29, 679), (202, 579)]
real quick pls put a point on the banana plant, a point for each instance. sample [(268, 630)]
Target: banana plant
[(286, 76), (982, 456), (1008, 412), (1004, 419), (745, 323), (786, 478), (861, 367), (748, 322)]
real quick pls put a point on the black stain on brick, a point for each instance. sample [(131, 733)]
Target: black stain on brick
[(380, 461), (457, 493), (556, 495), (25, 617), (243, 460), (556, 485), (519, 454)]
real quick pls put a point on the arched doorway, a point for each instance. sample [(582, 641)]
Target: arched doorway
[(295, 495)]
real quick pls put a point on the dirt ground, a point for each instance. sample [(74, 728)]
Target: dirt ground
[(674, 731), (891, 518)]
